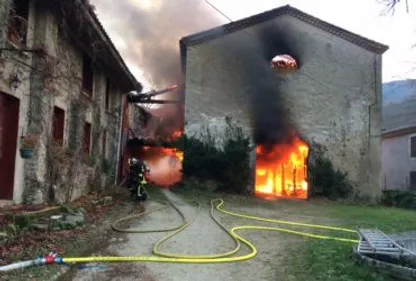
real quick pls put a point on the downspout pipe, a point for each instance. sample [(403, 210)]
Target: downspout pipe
[(119, 139)]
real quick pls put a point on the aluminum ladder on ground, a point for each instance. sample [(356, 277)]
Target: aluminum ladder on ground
[(374, 241)]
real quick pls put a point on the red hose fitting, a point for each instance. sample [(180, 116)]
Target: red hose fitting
[(49, 260)]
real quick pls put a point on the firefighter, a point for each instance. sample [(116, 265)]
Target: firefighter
[(138, 171)]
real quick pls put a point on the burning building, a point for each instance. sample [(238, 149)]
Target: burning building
[(152, 135), (294, 82)]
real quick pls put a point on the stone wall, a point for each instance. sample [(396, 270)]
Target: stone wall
[(4, 13), (333, 100), (16, 63), (67, 173)]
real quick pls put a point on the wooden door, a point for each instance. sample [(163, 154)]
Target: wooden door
[(87, 138), (9, 120), (58, 126)]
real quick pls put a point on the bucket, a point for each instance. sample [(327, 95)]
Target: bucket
[(26, 153)]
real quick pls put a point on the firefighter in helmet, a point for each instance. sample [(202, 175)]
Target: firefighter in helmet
[(138, 172)]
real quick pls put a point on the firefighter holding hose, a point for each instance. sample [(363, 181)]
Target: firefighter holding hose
[(137, 178)]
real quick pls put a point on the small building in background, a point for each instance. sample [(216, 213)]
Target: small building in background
[(399, 135), (62, 93)]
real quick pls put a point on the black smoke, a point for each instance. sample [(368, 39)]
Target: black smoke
[(269, 114)]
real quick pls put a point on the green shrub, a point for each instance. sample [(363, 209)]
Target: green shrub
[(399, 198), (326, 180), (236, 162), (228, 166), (105, 166)]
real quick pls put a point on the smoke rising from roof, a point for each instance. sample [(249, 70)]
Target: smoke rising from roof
[(270, 117), (149, 32)]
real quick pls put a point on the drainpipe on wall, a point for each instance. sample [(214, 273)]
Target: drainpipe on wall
[(378, 93), (119, 141)]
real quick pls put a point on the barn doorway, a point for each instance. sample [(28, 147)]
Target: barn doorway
[(282, 170), (9, 120)]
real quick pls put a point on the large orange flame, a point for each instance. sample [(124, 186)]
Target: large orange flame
[(165, 165), (282, 170)]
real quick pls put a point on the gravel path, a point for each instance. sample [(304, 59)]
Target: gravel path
[(203, 236)]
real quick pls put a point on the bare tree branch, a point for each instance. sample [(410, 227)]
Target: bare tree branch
[(390, 5)]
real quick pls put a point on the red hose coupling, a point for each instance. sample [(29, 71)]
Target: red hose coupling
[(49, 260)]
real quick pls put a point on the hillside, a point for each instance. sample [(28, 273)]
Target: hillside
[(399, 104)]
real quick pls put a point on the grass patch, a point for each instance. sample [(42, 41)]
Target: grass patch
[(387, 219), (327, 260)]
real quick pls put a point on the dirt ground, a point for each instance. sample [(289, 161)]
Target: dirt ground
[(203, 236)]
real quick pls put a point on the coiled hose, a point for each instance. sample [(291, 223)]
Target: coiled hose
[(163, 257)]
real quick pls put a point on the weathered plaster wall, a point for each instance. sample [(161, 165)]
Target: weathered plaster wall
[(333, 100), (4, 12), (36, 108), (8, 67), (93, 112)]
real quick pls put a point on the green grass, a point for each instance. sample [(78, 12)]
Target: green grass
[(327, 260), (387, 219), (319, 259)]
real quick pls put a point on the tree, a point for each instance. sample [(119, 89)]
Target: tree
[(391, 4)]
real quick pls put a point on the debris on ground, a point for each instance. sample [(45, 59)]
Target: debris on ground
[(23, 208), (23, 234)]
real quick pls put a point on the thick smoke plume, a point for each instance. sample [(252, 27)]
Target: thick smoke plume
[(147, 34), (151, 30), (270, 117)]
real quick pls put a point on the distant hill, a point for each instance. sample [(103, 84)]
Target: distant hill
[(397, 91), (399, 104)]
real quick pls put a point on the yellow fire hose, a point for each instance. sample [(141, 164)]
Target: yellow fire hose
[(216, 258), (162, 257)]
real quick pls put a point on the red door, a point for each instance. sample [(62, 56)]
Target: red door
[(87, 138), (9, 120), (58, 125)]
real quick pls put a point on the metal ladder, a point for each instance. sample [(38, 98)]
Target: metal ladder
[(374, 241)]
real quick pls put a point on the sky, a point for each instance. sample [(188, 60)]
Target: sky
[(364, 17)]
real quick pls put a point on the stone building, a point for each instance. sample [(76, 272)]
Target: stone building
[(332, 100), (62, 82)]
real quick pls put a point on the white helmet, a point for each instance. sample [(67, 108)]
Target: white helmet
[(133, 161), (146, 166)]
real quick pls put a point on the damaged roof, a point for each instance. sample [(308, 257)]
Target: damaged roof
[(217, 32)]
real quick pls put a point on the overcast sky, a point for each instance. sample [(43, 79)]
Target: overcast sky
[(364, 17)]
